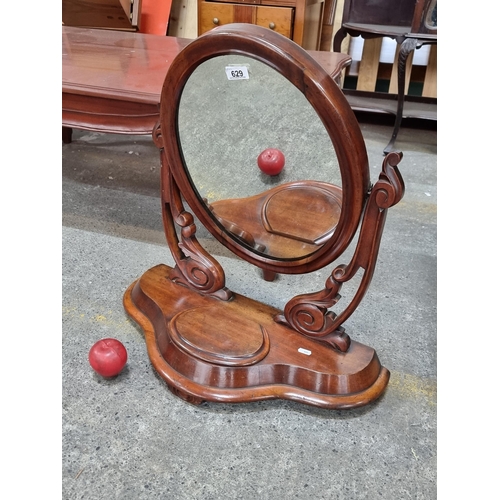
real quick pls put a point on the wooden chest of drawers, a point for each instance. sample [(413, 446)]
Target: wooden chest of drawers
[(299, 20)]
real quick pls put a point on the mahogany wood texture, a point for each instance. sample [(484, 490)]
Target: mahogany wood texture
[(233, 351), (112, 80), (209, 343), (326, 98), (289, 221)]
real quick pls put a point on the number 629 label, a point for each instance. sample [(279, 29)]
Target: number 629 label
[(237, 72)]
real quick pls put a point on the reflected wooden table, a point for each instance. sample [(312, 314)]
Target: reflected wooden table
[(290, 220), (112, 80)]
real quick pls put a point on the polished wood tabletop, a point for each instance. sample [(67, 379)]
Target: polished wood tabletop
[(115, 64), (112, 80)]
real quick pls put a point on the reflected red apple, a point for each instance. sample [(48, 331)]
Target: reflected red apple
[(271, 161)]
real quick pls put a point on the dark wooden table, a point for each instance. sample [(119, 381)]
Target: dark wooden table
[(112, 80)]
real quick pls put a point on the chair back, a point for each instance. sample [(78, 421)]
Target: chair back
[(383, 12)]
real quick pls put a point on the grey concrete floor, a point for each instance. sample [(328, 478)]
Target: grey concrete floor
[(130, 438)]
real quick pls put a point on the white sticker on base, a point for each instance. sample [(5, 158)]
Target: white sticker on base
[(305, 351), (237, 72)]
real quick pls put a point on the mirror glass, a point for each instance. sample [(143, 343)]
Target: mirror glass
[(231, 110), (431, 16)]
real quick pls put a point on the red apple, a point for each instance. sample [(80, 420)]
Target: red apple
[(108, 357), (271, 161)]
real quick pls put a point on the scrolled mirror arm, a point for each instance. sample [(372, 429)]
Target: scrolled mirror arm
[(195, 267), (308, 313)]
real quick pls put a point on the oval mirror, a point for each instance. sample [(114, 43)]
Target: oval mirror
[(255, 97), (232, 109)]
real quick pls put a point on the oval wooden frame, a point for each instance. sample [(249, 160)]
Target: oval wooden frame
[(326, 98)]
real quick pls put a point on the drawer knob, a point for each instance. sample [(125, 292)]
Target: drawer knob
[(216, 20), (272, 25)]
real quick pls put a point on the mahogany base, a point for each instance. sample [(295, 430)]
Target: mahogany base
[(207, 349)]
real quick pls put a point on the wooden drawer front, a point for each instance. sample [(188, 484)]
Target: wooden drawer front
[(216, 14), (279, 17)]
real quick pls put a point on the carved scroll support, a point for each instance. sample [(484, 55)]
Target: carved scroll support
[(195, 268), (309, 313)]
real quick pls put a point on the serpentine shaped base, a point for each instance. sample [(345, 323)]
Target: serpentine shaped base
[(207, 349)]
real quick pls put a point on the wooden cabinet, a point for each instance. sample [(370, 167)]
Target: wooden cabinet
[(105, 14), (299, 20)]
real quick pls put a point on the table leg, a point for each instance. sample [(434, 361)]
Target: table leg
[(268, 275), (67, 133), (408, 46)]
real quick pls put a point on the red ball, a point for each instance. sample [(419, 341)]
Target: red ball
[(271, 161), (108, 357)]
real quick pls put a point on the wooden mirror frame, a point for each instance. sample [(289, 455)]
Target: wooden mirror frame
[(210, 344), (326, 98)]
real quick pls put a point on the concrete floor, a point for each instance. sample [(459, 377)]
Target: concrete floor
[(130, 438)]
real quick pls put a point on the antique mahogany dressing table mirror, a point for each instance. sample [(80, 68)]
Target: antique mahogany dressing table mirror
[(206, 341)]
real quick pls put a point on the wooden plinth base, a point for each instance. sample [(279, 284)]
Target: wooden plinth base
[(207, 349)]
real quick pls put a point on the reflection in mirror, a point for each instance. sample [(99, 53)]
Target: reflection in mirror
[(224, 124), (431, 16)]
